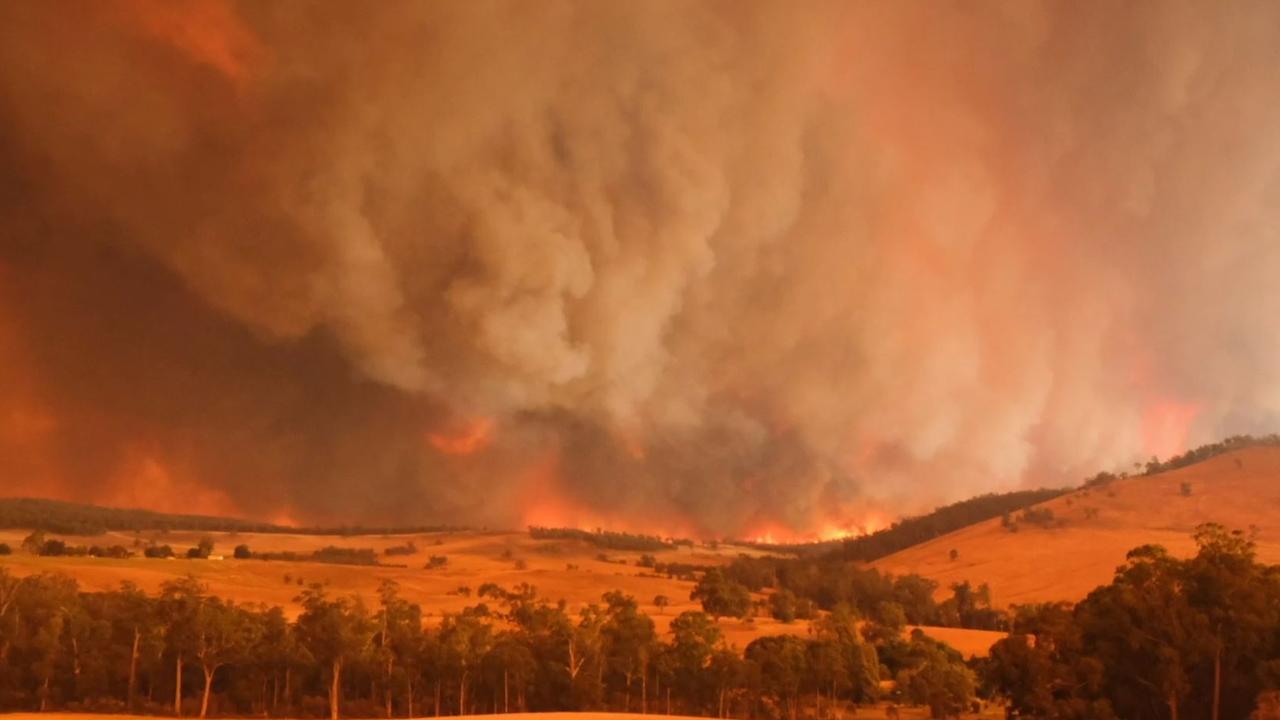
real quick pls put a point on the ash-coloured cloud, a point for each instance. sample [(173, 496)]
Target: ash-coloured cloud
[(708, 267)]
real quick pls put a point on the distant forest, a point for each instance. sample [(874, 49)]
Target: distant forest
[(608, 539), (68, 518)]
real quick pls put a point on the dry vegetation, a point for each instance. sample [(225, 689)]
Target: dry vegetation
[(1094, 528), (474, 558)]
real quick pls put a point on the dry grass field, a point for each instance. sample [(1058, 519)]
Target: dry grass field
[(559, 569), (1240, 490)]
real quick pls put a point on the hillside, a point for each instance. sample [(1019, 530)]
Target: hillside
[(1093, 528)]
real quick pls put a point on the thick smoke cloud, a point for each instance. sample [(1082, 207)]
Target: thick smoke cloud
[(704, 267)]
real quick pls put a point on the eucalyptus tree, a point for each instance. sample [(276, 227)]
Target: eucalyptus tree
[(334, 631)]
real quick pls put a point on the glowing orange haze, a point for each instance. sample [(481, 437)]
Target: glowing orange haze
[(962, 334), (474, 436), (209, 32)]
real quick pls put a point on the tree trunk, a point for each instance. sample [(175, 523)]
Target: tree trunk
[(75, 662), (437, 713), (133, 669), (335, 689), (627, 703), (409, 681), (462, 694), (668, 701), (506, 696), (1217, 682), (1173, 706), (177, 688), (208, 685), (644, 691), (288, 689), (44, 694)]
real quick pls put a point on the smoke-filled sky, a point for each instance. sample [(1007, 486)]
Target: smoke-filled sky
[(708, 268)]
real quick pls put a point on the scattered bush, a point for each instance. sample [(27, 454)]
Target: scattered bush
[(408, 548), (158, 551), (1042, 517)]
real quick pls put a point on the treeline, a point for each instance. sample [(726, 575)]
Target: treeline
[(912, 531), (608, 539), (805, 585), (327, 554), (1167, 638), (37, 543), (66, 518), (1205, 452), (186, 652)]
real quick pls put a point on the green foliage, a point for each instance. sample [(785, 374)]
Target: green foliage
[(721, 596), (63, 649), (782, 606), (1149, 644), (937, 679)]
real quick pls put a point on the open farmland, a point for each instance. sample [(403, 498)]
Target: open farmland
[(571, 570)]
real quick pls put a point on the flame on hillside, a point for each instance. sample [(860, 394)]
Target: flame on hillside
[(827, 529)]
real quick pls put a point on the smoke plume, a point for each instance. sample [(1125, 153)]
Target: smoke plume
[(698, 267)]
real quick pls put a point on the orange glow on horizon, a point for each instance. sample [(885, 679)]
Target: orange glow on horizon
[(772, 533), (545, 503), (145, 481)]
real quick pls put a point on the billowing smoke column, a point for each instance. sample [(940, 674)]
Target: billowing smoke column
[(705, 268)]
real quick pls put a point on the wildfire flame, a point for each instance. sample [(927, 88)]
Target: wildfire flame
[(1166, 425), (208, 32), (471, 438)]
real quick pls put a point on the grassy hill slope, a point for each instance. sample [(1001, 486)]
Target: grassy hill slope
[(1093, 529)]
